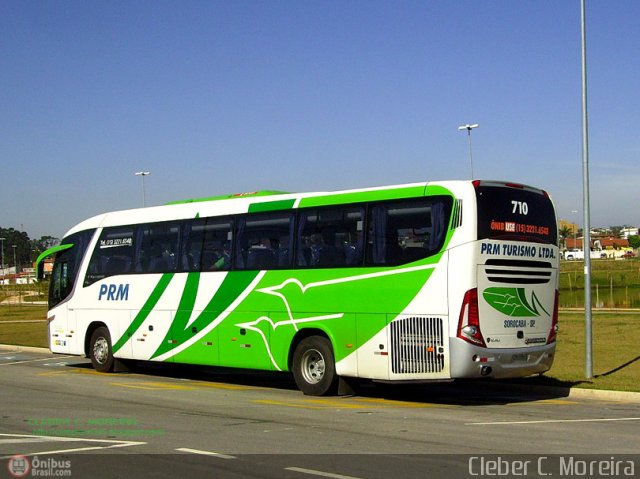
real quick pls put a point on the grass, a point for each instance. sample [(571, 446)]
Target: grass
[(604, 273), (28, 293), (23, 334), (616, 356)]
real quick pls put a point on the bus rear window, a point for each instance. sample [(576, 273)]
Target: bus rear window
[(515, 214)]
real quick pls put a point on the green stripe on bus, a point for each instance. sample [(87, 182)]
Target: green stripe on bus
[(185, 309), (233, 285), (271, 206), (364, 196), (158, 291)]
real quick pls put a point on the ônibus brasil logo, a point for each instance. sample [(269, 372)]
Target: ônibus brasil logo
[(19, 466), (513, 302)]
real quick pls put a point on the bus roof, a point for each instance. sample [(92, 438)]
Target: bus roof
[(251, 194), (271, 200)]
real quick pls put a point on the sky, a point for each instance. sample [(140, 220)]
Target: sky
[(218, 97)]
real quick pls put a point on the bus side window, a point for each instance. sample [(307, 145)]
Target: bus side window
[(192, 239), (405, 231), (113, 254), (263, 241), (158, 247), (330, 237), (216, 246)]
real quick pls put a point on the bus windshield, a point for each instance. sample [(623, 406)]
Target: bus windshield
[(66, 266), (515, 213)]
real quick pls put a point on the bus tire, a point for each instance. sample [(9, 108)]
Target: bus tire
[(314, 367), (100, 350)]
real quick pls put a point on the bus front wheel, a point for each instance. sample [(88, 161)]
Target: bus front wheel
[(314, 368), (100, 350)]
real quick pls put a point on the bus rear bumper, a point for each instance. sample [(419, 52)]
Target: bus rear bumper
[(469, 361)]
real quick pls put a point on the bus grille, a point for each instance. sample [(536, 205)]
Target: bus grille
[(518, 271), (417, 345), (456, 221)]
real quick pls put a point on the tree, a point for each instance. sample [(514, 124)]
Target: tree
[(565, 232), (616, 230), (22, 250), (42, 244), (634, 241)]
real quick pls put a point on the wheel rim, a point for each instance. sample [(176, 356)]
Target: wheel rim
[(101, 350), (312, 366)]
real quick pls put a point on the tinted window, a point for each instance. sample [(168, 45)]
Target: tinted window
[(264, 241), (114, 254), (515, 214), (216, 250), (66, 266), (405, 231), (157, 248), (193, 239), (330, 237)]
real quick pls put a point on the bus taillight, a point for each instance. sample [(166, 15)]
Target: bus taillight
[(469, 324), (554, 320)]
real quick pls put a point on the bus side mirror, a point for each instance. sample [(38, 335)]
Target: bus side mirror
[(40, 271), (43, 255)]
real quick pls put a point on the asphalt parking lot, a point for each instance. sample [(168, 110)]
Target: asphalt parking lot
[(172, 420)]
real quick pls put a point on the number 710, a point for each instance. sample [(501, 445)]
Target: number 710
[(520, 207)]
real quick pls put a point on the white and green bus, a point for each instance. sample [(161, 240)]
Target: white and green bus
[(417, 282)]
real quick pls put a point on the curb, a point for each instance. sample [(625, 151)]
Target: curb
[(26, 349), (604, 394), (572, 393)]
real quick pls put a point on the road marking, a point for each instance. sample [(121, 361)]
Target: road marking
[(551, 421), (542, 402), (17, 440), (206, 453), (319, 473), (78, 449), (270, 402), (24, 321), (216, 385), (155, 386), (354, 403), (28, 438), (29, 361), (407, 404), (73, 371), (336, 403)]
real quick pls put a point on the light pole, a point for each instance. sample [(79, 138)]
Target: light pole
[(143, 174), (586, 223), (469, 127), (15, 263), (575, 232), (2, 240)]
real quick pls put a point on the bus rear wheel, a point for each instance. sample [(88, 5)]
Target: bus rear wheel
[(314, 368), (100, 350)]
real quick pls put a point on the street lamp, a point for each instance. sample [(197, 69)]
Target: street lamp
[(469, 127), (143, 174)]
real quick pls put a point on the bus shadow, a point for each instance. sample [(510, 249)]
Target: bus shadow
[(230, 376), (480, 392), (477, 392)]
